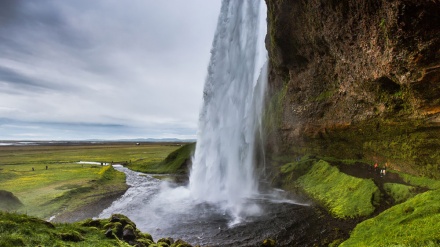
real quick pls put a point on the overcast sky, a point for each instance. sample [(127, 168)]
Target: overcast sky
[(104, 69), (107, 69)]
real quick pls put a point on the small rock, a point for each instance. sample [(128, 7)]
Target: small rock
[(115, 218), (128, 234)]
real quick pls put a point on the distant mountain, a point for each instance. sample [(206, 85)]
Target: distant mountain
[(157, 140)]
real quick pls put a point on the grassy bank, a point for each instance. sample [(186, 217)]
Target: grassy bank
[(177, 162), (400, 209), (66, 185), (415, 222), (343, 195)]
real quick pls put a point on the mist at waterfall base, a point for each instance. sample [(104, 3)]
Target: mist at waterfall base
[(222, 204)]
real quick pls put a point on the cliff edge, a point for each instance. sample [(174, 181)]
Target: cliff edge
[(356, 80)]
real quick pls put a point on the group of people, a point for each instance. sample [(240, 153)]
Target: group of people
[(383, 169)]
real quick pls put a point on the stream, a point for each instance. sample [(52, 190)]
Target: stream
[(166, 209)]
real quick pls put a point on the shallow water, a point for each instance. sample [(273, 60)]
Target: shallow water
[(165, 209)]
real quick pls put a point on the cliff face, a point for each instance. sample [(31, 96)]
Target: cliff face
[(356, 79)]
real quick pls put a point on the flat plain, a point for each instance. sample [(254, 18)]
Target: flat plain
[(49, 179)]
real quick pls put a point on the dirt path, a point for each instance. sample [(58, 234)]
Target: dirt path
[(365, 171)]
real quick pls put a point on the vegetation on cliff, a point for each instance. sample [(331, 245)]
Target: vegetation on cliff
[(356, 79)]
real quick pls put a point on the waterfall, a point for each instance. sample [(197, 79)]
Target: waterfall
[(230, 119)]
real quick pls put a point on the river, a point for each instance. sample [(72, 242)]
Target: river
[(165, 209)]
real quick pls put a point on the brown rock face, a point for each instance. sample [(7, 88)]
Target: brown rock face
[(356, 79)]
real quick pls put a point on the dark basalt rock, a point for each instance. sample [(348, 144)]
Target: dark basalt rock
[(355, 80)]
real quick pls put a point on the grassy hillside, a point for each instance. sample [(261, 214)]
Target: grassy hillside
[(177, 162), (344, 195), (415, 222), (397, 209)]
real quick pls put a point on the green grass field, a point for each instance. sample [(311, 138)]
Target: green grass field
[(67, 185)]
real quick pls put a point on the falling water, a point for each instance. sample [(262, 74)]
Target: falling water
[(223, 164), (223, 189)]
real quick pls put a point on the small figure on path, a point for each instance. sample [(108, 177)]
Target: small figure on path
[(33, 169), (46, 167), (375, 167)]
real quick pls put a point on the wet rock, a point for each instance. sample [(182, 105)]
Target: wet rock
[(128, 233)]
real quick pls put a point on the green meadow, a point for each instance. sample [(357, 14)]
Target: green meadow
[(66, 185)]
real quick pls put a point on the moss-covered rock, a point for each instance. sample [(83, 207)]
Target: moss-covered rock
[(118, 230), (72, 236)]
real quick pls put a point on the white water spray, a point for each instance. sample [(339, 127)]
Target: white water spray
[(223, 164)]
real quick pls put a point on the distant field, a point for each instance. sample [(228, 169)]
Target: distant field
[(67, 185)]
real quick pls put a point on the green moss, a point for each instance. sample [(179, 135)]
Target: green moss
[(269, 243), (22, 230), (399, 192), (324, 95), (72, 236), (299, 167), (344, 196), (415, 222), (420, 181)]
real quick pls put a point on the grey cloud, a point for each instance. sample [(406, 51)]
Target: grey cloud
[(11, 77), (138, 65), (8, 9)]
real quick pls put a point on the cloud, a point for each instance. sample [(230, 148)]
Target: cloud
[(137, 67)]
